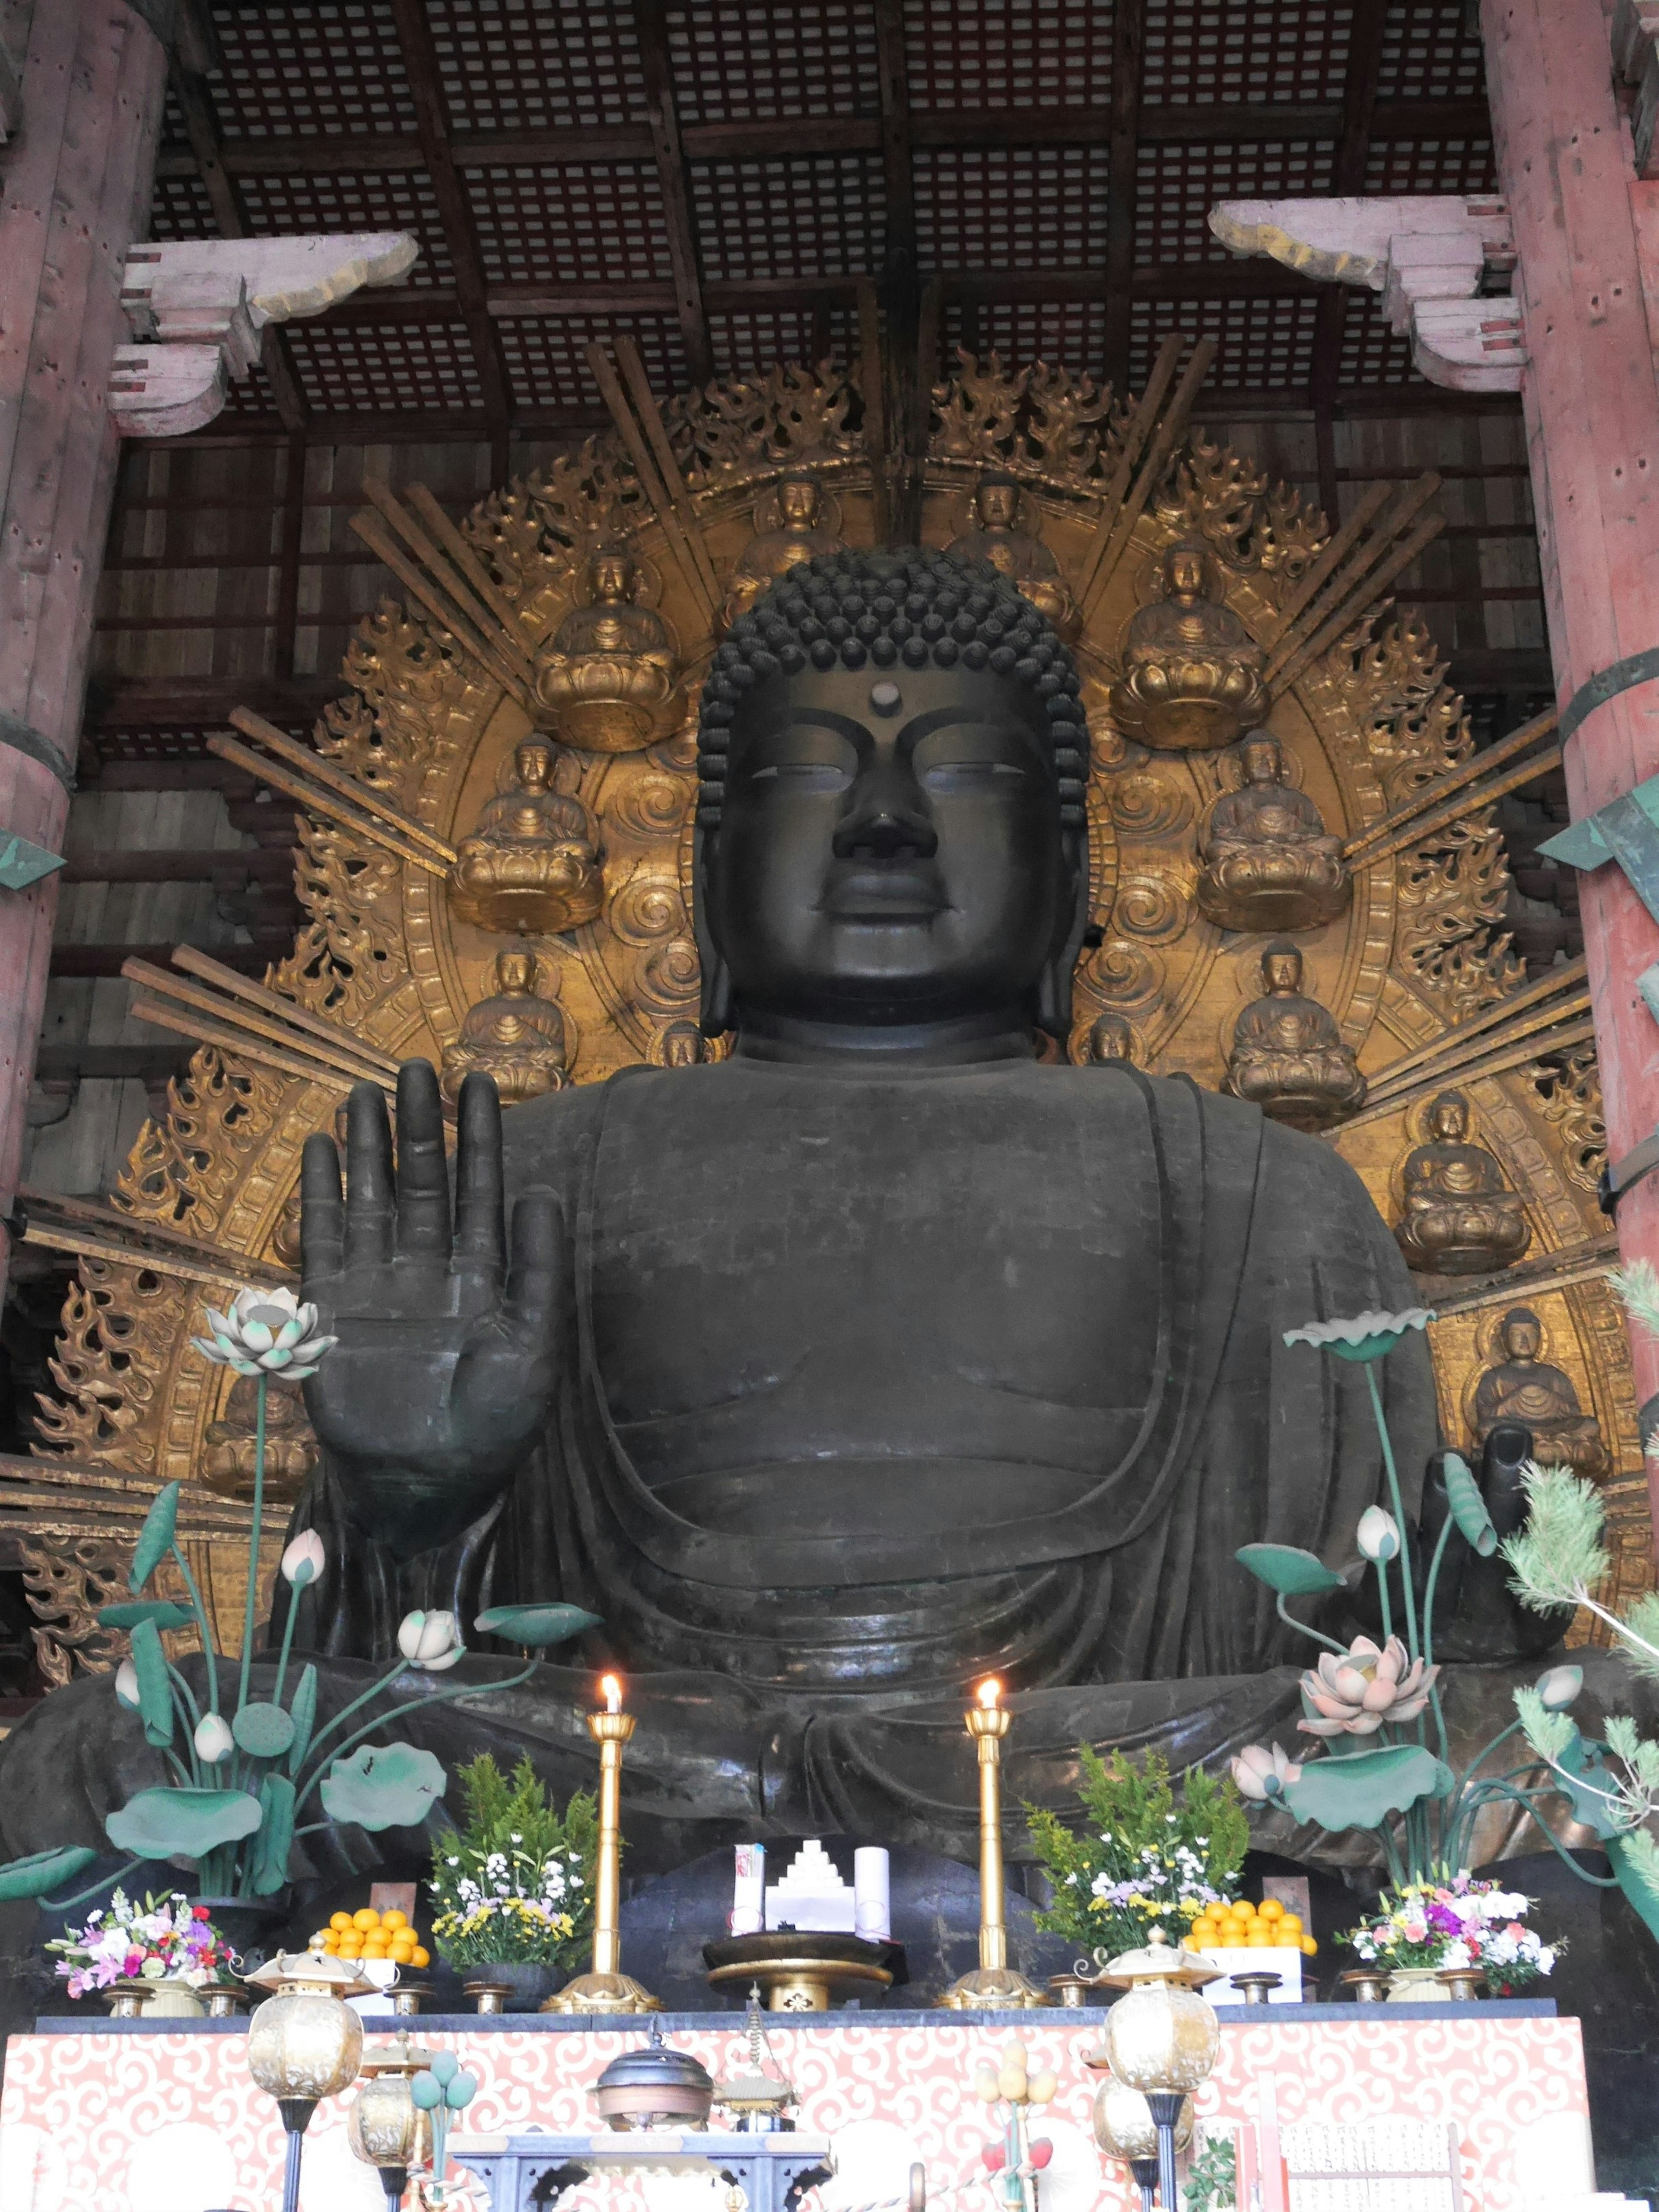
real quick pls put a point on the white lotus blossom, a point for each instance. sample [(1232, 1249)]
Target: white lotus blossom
[(431, 1641), (1378, 1535), (266, 1333), (1558, 1686), (213, 1740), (126, 1684), (304, 1559)]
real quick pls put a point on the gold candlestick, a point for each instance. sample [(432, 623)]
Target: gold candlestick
[(607, 1988), (995, 1986)]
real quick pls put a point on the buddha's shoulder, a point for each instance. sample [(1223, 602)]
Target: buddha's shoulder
[(546, 1139)]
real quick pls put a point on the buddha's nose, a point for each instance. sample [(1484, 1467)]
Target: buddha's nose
[(886, 832)]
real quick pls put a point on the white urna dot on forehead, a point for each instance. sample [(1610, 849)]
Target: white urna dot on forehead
[(886, 698)]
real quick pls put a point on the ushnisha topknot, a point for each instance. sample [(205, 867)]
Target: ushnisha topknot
[(893, 609)]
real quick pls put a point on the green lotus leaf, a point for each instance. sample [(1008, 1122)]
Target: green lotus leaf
[(1284, 1568), (1468, 1507), (1582, 1778), (303, 1712), (161, 1610), (155, 1538), (262, 1731), (276, 1837), (154, 1686), (1360, 1790), (165, 1824), (536, 1625), (41, 1871), (391, 1785)]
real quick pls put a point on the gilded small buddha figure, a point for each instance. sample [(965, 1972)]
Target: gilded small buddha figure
[(800, 535), (1523, 1387), (1268, 863), (610, 669), (291, 1447), (513, 1035), (531, 865), (1461, 1217), (995, 536), (1192, 676), (1288, 1057), (1111, 1037)]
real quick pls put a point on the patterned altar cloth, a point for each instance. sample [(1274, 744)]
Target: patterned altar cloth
[(122, 2116)]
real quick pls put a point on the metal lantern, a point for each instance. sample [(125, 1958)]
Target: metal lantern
[(304, 2043), (654, 2086), (1162, 2039), (387, 2130), (1125, 2128)]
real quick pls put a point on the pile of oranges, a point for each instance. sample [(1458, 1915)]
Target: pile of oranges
[(1244, 1926), (371, 1935)]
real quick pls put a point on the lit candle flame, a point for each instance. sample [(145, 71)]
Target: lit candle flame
[(989, 1691), (611, 1689)]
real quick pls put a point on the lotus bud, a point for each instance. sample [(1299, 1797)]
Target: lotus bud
[(1042, 2087), (1558, 1686), (213, 1740), (431, 1641), (1041, 2150), (1010, 2082), (995, 2157), (1379, 1535), (126, 1684), (985, 2086), (304, 1559)]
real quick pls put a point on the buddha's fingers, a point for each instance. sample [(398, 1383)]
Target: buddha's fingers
[(370, 1217), (480, 1234), (535, 1270), (322, 1215), (422, 1170)]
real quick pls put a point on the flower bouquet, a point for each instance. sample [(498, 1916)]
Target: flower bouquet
[(1140, 1859), (513, 1886), (168, 1941), (1462, 1923)]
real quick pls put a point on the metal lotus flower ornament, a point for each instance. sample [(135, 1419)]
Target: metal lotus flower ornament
[(266, 1333), (1353, 1693), (1260, 1774)]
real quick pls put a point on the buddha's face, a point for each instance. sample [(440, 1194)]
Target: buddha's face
[(1523, 1337), (798, 502), (613, 579), (1451, 1120), (1260, 761), (534, 764), (1185, 570), (999, 503), (1281, 970), (515, 972), (890, 850)]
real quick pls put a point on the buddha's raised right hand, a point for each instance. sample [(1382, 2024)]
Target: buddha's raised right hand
[(444, 1371)]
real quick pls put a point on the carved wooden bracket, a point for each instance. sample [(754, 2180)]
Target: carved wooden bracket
[(1435, 260), (197, 308)]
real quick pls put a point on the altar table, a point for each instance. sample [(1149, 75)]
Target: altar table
[(132, 2116)]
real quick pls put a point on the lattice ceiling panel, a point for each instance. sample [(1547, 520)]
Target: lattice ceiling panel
[(181, 208), (1372, 352), (1176, 187), (1262, 345), (311, 70), (749, 342), (251, 397), (347, 369), (1431, 51), (1071, 332), (545, 360), (1432, 165), (1008, 54), (823, 215), (581, 222), (1019, 207), (529, 64), (402, 201), (1217, 50), (815, 58)]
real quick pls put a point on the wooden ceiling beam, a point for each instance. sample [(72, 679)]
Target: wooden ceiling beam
[(1122, 161), (1359, 102), (651, 26), (382, 153), (455, 212)]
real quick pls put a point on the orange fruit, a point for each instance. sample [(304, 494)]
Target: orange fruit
[(1232, 1940), (365, 1918), (1260, 1937), (1309, 1949), (394, 1918), (420, 1958), (340, 1921), (1272, 1909)]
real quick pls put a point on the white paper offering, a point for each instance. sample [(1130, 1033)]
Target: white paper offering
[(748, 1890)]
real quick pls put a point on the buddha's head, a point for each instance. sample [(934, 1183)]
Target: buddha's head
[(1448, 1118), (682, 1045), (1111, 1037), (797, 501), (515, 973), (1522, 1334), (997, 502), (610, 576), (1186, 572), (1282, 969), (532, 763), (1260, 760), (892, 830)]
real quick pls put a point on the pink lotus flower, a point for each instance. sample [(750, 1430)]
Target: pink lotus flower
[(1353, 1693), (1260, 1774)]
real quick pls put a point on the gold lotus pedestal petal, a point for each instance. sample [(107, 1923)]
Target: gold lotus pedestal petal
[(609, 674), (531, 865), (605, 1988), (1269, 860), (1460, 1217), (994, 1986), (1192, 674)]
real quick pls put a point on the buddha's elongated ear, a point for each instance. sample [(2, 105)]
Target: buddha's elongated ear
[(716, 1014), (1053, 1005)]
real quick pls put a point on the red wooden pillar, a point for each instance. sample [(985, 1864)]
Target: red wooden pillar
[(75, 191), (1592, 411)]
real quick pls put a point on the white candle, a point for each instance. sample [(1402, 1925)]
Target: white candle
[(612, 1689), (748, 1890), (873, 1910)]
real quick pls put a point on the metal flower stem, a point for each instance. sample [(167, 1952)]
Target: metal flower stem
[(203, 1628), (1399, 1506), (437, 1697), (252, 1607)]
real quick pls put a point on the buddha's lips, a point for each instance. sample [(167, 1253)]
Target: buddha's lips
[(888, 894)]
